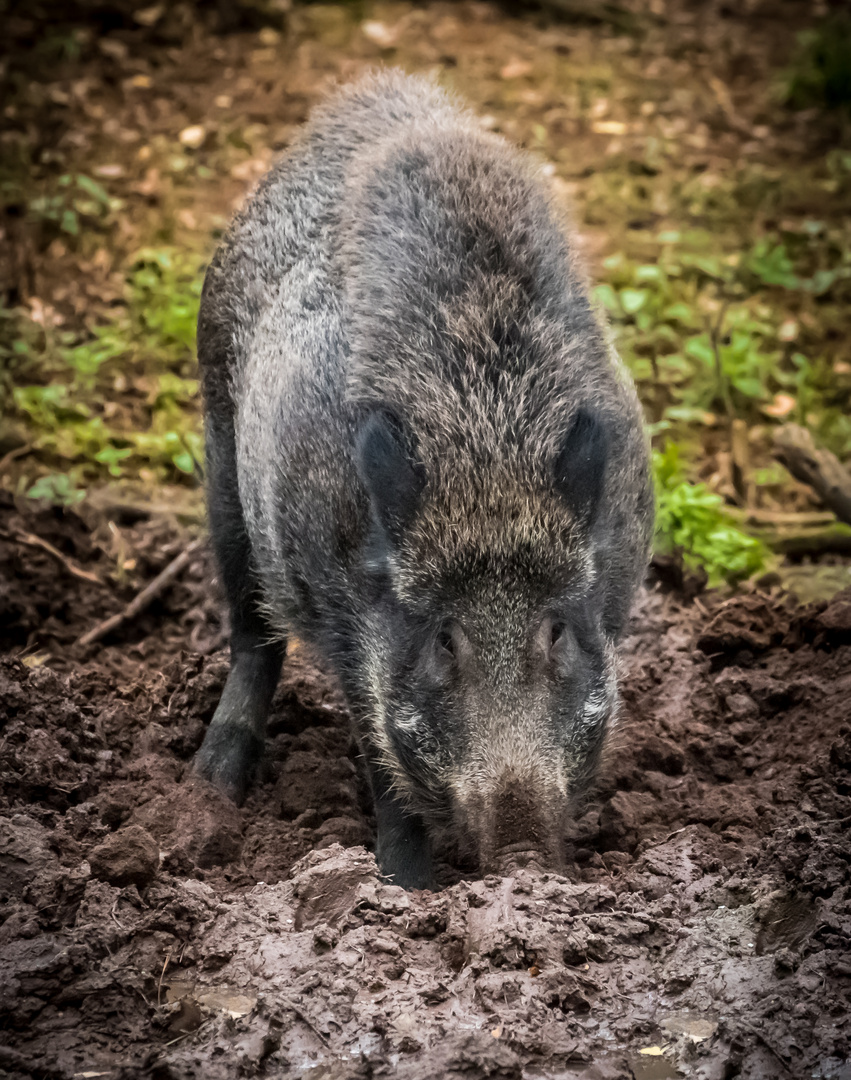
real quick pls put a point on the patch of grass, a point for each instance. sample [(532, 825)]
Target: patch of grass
[(60, 384), (68, 205), (692, 520), (821, 72), (709, 336)]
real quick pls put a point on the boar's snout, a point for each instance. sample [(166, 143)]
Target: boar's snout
[(518, 821)]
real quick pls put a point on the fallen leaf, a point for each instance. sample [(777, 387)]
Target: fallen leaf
[(781, 406), (788, 330), (380, 33), (652, 1051), (117, 50), (609, 127), (149, 15), (35, 660), (496, 1032), (193, 136), (516, 69)]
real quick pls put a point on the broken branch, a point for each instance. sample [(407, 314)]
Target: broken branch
[(145, 598), (821, 470), (33, 541)]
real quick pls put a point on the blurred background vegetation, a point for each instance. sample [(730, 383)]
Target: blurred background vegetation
[(702, 150)]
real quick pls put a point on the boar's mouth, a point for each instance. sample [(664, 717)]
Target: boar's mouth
[(518, 821), (518, 856)]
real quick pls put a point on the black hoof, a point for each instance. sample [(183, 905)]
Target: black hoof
[(228, 759)]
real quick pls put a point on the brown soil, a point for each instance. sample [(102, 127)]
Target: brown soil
[(151, 929)]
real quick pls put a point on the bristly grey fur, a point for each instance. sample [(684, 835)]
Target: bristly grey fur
[(400, 258)]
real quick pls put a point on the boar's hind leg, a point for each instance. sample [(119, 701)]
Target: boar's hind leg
[(402, 849), (233, 744)]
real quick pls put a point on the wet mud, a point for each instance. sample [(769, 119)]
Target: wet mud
[(149, 928)]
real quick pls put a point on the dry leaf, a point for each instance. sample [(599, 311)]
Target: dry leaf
[(516, 69), (609, 127), (149, 15), (193, 136), (788, 330), (781, 406), (380, 34)]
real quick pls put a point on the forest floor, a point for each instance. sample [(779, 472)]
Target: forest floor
[(700, 926), (148, 928)]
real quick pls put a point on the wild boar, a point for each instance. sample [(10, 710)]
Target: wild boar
[(425, 458)]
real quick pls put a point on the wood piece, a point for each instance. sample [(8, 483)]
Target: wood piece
[(13, 455), (794, 447), (33, 541), (756, 515), (127, 511), (145, 598), (833, 539)]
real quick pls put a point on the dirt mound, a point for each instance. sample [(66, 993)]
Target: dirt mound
[(151, 929)]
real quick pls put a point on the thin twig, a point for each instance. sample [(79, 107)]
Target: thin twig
[(756, 515), (162, 976), (288, 1003), (759, 1035), (13, 455), (33, 541), (145, 598), (186, 1034)]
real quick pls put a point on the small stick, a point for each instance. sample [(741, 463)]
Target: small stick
[(162, 976), (288, 1003), (13, 455), (145, 598), (33, 541), (773, 1050), (741, 461)]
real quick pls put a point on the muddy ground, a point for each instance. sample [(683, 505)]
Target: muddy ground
[(151, 929)]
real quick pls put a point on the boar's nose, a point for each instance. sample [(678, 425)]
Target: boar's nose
[(523, 826)]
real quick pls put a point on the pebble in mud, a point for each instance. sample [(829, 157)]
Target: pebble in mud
[(129, 857)]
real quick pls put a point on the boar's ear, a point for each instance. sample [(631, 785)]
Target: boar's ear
[(393, 479), (581, 464)]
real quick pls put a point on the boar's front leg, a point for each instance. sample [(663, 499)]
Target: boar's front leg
[(402, 848), (233, 745)]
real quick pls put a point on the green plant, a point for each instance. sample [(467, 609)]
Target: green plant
[(821, 71), (61, 381), (57, 488), (76, 200), (164, 291), (691, 519)]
